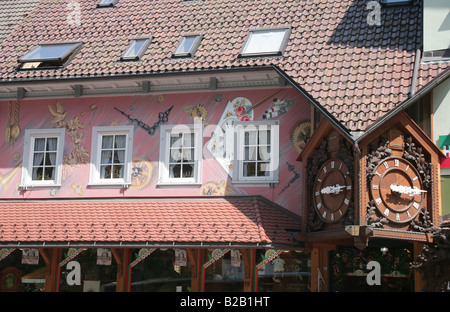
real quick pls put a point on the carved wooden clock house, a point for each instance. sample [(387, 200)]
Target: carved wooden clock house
[(400, 186), (329, 173)]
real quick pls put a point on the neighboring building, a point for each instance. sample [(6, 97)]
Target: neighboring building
[(201, 146)]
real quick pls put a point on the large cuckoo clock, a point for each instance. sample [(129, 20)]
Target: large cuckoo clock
[(329, 165), (400, 179)]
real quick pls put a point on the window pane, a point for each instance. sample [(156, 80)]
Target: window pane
[(134, 48), (37, 173), (250, 138), (117, 171), (106, 157), (119, 157), (50, 159), (188, 171), (263, 169), (49, 173), (174, 171), (175, 155), (38, 159), (53, 51), (250, 153), (176, 140), (107, 141), (188, 140), (267, 41), (264, 153), (186, 44), (39, 144), (105, 172), (120, 141), (52, 144), (188, 154), (249, 169)]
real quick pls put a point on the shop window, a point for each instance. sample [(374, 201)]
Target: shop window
[(21, 273), (349, 268), (97, 271), (161, 270), (43, 153), (180, 154), (51, 55), (287, 272), (111, 155), (257, 152), (226, 274), (265, 42)]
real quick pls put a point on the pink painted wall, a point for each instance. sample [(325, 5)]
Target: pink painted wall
[(36, 114)]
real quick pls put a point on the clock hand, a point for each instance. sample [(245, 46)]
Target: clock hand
[(411, 191), (336, 189)]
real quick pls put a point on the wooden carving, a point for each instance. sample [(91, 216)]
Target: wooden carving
[(330, 173), (398, 182), (434, 260)]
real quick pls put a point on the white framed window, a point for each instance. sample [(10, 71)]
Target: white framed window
[(265, 42), (256, 152), (42, 158), (49, 55), (111, 155), (107, 3), (136, 49), (180, 154), (187, 45)]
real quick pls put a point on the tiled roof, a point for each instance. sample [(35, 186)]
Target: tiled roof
[(358, 72), (12, 12), (237, 220)]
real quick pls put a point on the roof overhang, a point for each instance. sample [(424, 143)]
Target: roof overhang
[(253, 77), (197, 222)]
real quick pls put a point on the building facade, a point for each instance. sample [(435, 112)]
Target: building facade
[(169, 146)]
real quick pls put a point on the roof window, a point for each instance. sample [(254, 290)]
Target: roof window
[(265, 42), (51, 55), (396, 2), (136, 49), (187, 45), (106, 3)]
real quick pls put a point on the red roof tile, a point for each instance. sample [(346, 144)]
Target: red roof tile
[(333, 53), (246, 221)]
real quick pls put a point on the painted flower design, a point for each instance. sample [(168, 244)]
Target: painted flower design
[(240, 110)]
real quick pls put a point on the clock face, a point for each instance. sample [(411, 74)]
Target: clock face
[(397, 190), (332, 191)]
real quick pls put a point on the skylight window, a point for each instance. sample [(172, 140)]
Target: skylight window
[(187, 46), (107, 3), (51, 55), (264, 42), (136, 49), (396, 2)]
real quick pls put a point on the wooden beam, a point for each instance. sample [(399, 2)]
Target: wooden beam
[(248, 257), (53, 257), (195, 257), (122, 257)]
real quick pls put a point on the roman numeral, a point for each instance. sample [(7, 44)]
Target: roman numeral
[(386, 165)]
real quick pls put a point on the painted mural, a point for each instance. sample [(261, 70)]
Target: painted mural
[(147, 113)]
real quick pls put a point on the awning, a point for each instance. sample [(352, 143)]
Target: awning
[(153, 222)]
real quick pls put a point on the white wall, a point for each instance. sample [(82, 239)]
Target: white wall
[(441, 110), (436, 19)]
